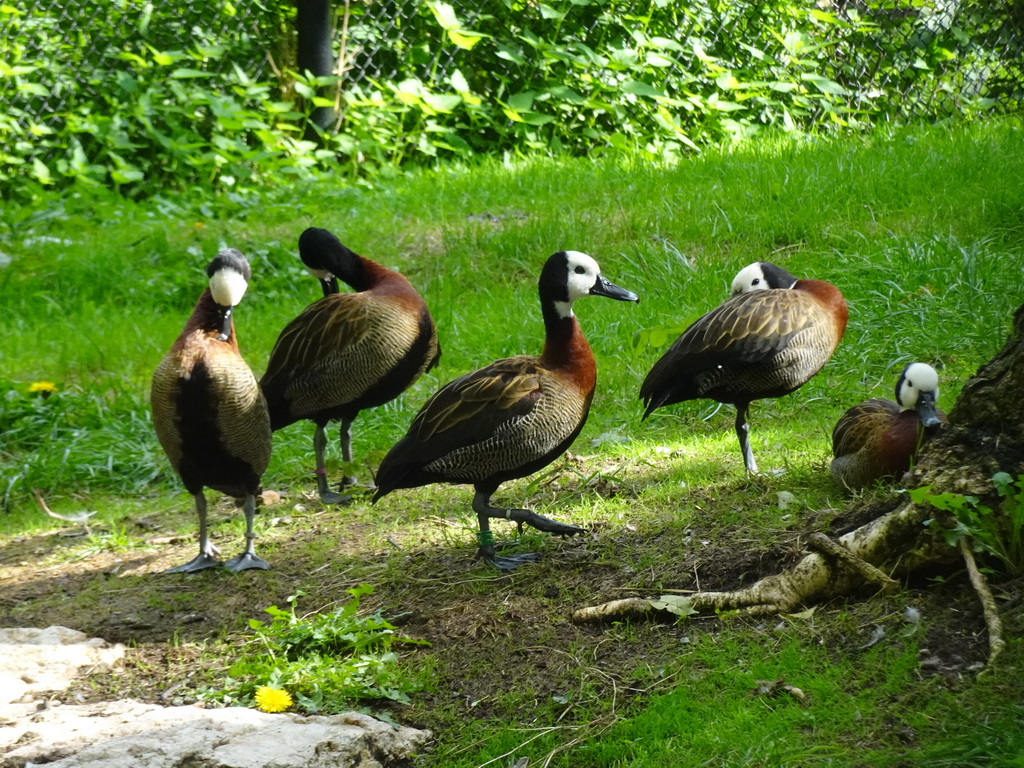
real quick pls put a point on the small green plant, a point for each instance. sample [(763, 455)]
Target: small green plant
[(325, 661), (998, 534)]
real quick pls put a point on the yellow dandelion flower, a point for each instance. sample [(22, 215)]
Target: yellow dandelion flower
[(272, 699), (43, 388)]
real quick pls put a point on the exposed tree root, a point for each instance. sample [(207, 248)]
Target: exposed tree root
[(897, 542), (866, 570), (988, 604)]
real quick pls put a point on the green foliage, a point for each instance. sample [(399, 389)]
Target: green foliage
[(999, 533), (656, 77), (179, 102), (326, 661), (144, 116)]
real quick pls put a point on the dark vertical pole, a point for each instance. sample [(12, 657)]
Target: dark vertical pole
[(313, 20)]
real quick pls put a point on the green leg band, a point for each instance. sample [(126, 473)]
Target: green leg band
[(485, 538)]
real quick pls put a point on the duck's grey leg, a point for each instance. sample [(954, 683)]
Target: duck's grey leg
[(327, 496), (484, 513), (743, 433), (208, 552), (248, 558)]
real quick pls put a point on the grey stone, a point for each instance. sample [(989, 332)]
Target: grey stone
[(36, 729)]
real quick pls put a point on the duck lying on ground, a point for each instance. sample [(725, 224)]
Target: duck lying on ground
[(880, 438)]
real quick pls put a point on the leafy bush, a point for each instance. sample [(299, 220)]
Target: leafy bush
[(139, 117), (325, 661), (183, 102), (999, 534), (659, 77)]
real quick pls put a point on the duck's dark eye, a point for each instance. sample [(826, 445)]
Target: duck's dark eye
[(580, 270), (757, 281)]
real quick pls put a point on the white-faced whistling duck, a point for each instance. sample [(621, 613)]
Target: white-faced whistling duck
[(879, 438), (347, 351), (514, 416), (770, 338), (209, 413)]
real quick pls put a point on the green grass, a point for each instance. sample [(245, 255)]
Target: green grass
[(921, 230)]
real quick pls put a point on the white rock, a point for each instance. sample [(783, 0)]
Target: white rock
[(36, 730), (38, 661), (129, 734)]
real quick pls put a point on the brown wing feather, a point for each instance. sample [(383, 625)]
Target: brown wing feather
[(241, 409), (336, 350), (333, 324), (751, 327), (497, 392), (863, 425), (761, 344), (498, 421)]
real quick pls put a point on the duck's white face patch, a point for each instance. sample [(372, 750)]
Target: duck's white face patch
[(319, 274), (580, 279), (918, 378), (228, 287), (749, 279)]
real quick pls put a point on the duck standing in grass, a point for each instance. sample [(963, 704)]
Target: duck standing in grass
[(512, 417), (769, 339), (347, 351), (209, 413), (880, 438)]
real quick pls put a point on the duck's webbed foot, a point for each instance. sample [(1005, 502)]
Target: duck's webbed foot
[(350, 484), (485, 513), (245, 561), (327, 496), (208, 552), (207, 558), (541, 523), (503, 563), (248, 559)]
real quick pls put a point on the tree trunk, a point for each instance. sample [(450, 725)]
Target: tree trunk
[(313, 22), (985, 435)]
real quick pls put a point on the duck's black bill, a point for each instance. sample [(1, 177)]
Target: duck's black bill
[(225, 324), (926, 411), (604, 287), (329, 284)]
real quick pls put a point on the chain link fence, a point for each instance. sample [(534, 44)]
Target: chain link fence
[(926, 58), (917, 58)]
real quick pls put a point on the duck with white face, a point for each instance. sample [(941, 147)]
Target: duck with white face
[(208, 411), (761, 276), (512, 417), (918, 389), (769, 339), (229, 274), (880, 438)]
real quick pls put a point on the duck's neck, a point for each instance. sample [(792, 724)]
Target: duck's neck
[(830, 297), (565, 348), (207, 319), (367, 275)]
